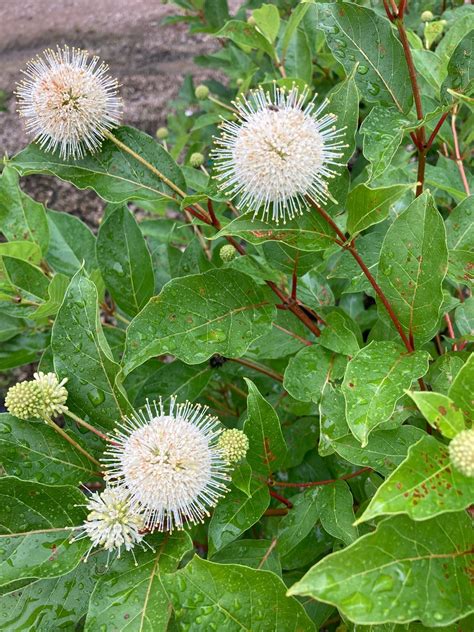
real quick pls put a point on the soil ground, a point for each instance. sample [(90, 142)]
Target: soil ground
[(149, 60)]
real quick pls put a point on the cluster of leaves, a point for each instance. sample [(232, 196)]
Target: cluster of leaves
[(142, 309)]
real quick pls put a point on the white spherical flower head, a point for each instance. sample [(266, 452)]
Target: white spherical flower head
[(112, 523), (461, 452), (278, 152), (68, 101), (53, 392), (170, 464)]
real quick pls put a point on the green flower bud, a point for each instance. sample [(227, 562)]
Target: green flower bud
[(25, 401), (251, 20), (233, 444), (426, 16), (53, 392), (162, 133), (461, 452), (227, 253), (201, 92), (196, 159)]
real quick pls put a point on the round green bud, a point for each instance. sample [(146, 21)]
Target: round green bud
[(227, 253), (201, 92), (426, 16), (53, 392), (196, 160), (233, 445), (251, 20), (461, 452), (25, 401), (162, 133), (239, 81)]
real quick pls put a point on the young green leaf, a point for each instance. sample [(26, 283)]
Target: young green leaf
[(440, 411), (335, 510)]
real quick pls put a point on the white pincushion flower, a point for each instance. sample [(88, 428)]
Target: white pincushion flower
[(53, 392), (68, 101), (112, 523), (278, 152), (169, 463)]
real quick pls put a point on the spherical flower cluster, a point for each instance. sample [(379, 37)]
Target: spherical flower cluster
[(201, 92), (234, 445), (24, 400), (169, 464), (278, 153), (461, 452), (227, 253), (162, 133), (112, 523), (68, 101), (53, 393), (196, 160)]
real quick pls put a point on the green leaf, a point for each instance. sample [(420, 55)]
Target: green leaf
[(51, 604), (461, 389), (344, 103), (307, 232), (34, 451), (206, 595), (295, 19), (382, 73), (71, 243), (81, 354), (131, 593), (382, 133), (460, 238), (397, 572), (335, 509), (236, 513), (56, 291), (26, 277), (111, 173), (375, 380), (267, 19), (37, 524), (300, 437), (309, 370), (413, 264), (174, 379), (221, 311), (340, 334), (245, 34), (21, 217), (464, 317), (299, 521), (216, 12), (298, 62), (440, 411), (423, 486), (267, 447), (26, 250), (460, 75), (124, 261), (259, 554), (366, 206)]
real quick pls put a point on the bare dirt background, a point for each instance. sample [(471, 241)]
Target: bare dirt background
[(149, 60)]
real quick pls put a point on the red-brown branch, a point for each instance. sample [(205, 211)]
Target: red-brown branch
[(281, 499), (317, 483), (258, 367)]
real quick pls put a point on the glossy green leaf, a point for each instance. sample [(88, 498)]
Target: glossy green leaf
[(460, 238), (81, 354), (366, 206), (375, 380), (382, 132), (174, 379), (404, 571), (21, 217), (56, 291), (299, 521), (38, 522), (259, 554), (124, 261), (298, 62), (460, 77), (111, 173), (382, 73), (335, 509), (440, 411), (340, 334), (267, 447), (236, 513), (461, 389), (307, 232), (267, 20), (130, 595), (413, 264), (423, 486), (309, 370), (26, 277), (71, 244), (207, 595), (245, 34), (34, 451), (194, 317)]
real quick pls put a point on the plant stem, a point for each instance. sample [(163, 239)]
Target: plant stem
[(258, 367), (317, 483), (70, 440), (457, 153), (436, 130), (450, 330), (275, 512), (83, 423), (281, 499), (122, 319)]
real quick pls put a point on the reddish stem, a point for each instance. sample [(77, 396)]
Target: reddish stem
[(457, 154), (294, 278), (275, 512), (258, 367), (450, 330), (281, 499), (317, 483), (436, 130)]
